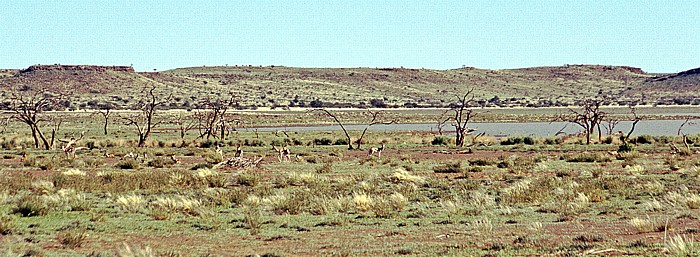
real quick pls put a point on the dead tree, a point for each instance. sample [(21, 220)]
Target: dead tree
[(143, 120), (635, 120), (184, 123), (461, 115), (330, 114), (212, 120), (27, 106), (589, 117), (376, 118), (105, 110)]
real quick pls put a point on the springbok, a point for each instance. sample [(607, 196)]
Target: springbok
[(239, 152), (378, 151), (284, 153)]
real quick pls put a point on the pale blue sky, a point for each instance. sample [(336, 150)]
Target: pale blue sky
[(657, 36)]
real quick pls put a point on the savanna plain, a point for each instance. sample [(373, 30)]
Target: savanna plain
[(239, 193)]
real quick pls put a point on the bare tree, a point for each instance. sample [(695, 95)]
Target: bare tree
[(105, 110), (461, 115), (144, 119), (589, 117), (330, 114), (184, 123), (376, 117), (635, 120), (27, 106), (212, 120)]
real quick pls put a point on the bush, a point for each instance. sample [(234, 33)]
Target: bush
[(553, 140), (72, 238), (440, 141), (323, 141), (588, 157), (482, 162), (625, 148), (643, 139), (253, 142), (30, 206), (341, 141), (518, 140), (128, 164), (449, 168), (160, 162)]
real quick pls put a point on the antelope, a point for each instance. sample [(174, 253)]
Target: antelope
[(109, 155), (378, 151), (172, 157), (130, 155), (284, 153), (220, 152), (69, 149), (239, 152)]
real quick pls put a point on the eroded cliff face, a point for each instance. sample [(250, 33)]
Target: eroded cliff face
[(95, 68)]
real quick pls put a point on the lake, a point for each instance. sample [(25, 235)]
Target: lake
[(538, 129)]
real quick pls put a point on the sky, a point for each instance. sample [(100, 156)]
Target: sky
[(657, 36)]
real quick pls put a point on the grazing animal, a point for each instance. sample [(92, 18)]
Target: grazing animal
[(175, 160), (131, 155), (109, 155), (239, 152), (377, 151), (284, 153), (220, 152)]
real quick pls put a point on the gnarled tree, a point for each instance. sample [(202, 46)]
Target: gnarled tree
[(376, 117), (212, 119), (143, 120), (461, 114), (589, 116), (27, 106)]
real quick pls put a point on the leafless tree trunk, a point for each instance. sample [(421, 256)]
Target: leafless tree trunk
[(184, 123), (376, 116), (143, 121), (213, 118), (589, 117), (27, 107), (339, 123), (105, 111), (462, 114)]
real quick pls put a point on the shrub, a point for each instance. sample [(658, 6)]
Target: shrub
[(30, 206), (7, 225), (553, 140), (128, 164), (325, 168), (253, 142), (642, 139), (455, 167), (341, 141), (72, 238), (323, 141), (625, 148), (160, 162), (440, 141), (518, 140), (482, 162), (588, 157)]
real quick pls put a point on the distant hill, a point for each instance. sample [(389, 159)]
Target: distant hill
[(675, 88), (358, 87)]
